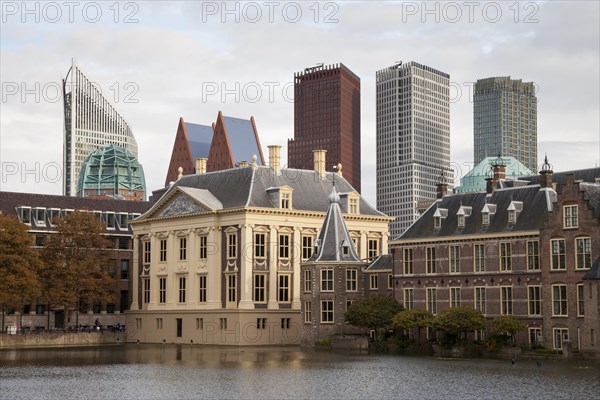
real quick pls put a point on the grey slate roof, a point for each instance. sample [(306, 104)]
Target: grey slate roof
[(381, 263), (535, 201), (585, 175), (592, 194), (199, 138), (242, 139), (594, 272), (241, 187), (334, 243)]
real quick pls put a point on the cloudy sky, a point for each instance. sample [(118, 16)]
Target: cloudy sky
[(159, 61)]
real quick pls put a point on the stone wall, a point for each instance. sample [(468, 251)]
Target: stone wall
[(51, 339)]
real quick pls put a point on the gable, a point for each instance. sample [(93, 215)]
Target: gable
[(181, 205)]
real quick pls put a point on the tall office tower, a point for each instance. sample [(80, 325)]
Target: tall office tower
[(413, 140), (327, 116), (91, 122), (505, 120)]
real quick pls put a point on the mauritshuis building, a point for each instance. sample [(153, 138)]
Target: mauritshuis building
[(413, 139), (91, 122), (327, 116), (505, 120)]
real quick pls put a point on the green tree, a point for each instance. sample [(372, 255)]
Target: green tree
[(415, 318), (455, 322), (505, 326), (19, 264), (375, 312), (76, 264)]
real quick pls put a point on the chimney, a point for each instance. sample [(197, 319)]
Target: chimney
[(499, 168), (490, 185), (319, 161), (442, 190), (546, 174), (275, 158), (201, 165)]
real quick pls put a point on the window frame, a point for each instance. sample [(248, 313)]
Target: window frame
[(506, 300), (327, 312), (570, 216), (533, 255), (558, 261), (560, 300), (534, 300), (454, 259)]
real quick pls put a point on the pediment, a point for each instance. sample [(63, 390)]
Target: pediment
[(181, 204)]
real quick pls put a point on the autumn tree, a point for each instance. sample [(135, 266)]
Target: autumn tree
[(19, 264), (414, 318), (76, 263), (455, 322), (375, 312)]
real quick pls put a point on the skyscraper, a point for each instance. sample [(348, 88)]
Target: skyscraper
[(505, 120), (413, 139), (91, 122), (327, 116)]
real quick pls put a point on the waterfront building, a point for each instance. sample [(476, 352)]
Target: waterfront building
[(524, 249), (505, 120), (217, 258), (90, 122), (112, 172), (412, 139), (40, 212), (475, 179), (223, 145), (327, 116)]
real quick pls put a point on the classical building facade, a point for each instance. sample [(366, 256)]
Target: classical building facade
[(90, 122), (413, 139), (327, 116), (40, 212), (505, 120), (520, 250), (217, 258)]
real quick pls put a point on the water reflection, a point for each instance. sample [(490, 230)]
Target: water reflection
[(193, 371)]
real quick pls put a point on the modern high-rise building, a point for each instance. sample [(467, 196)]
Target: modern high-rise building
[(413, 139), (327, 117), (91, 122), (505, 120)]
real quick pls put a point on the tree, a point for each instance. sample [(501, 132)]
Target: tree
[(413, 318), (456, 321), (375, 312), (19, 264), (76, 264), (505, 326)]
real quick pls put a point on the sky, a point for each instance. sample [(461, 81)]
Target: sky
[(159, 61)]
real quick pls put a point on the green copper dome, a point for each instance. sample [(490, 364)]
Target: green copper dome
[(474, 180)]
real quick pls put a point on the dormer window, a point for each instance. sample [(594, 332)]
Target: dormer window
[(24, 214), (438, 216), (461, 221), (486, 212), (514, 208), (53, 216), (40, 216), (286, 200), (281, 197), (463, 212), (512, 216), (485, 218), (353, 205), (345, 248)]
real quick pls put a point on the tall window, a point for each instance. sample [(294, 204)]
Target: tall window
[(326, 311), (409, 298), (307, 280), (570, 216), (454, 297), (286, 200), (162, 290), (373, 281), (432, 300), (147, 253), (203, 247), (534, 299), (583, 247), (231, 288), (505, 256), (284, 246), (163, 250), (259, 245), (307, 312), (480, 300), (559, 300), (535, 336), (408, 261), (430, 259), (373, 248), (353, 205), (580, 301), (479, 257), (182, 248), (307, 247), (351, 280), (232, 245), (454, 258), (202, 289), (485, 218), (124, 269), (506, 300), (326, 280), (284, 289), (146, 290), (533, 255), (259, 288), (182, 289), (560, 335), (557, 248)]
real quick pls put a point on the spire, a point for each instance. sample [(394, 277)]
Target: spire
[(334, 242)]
